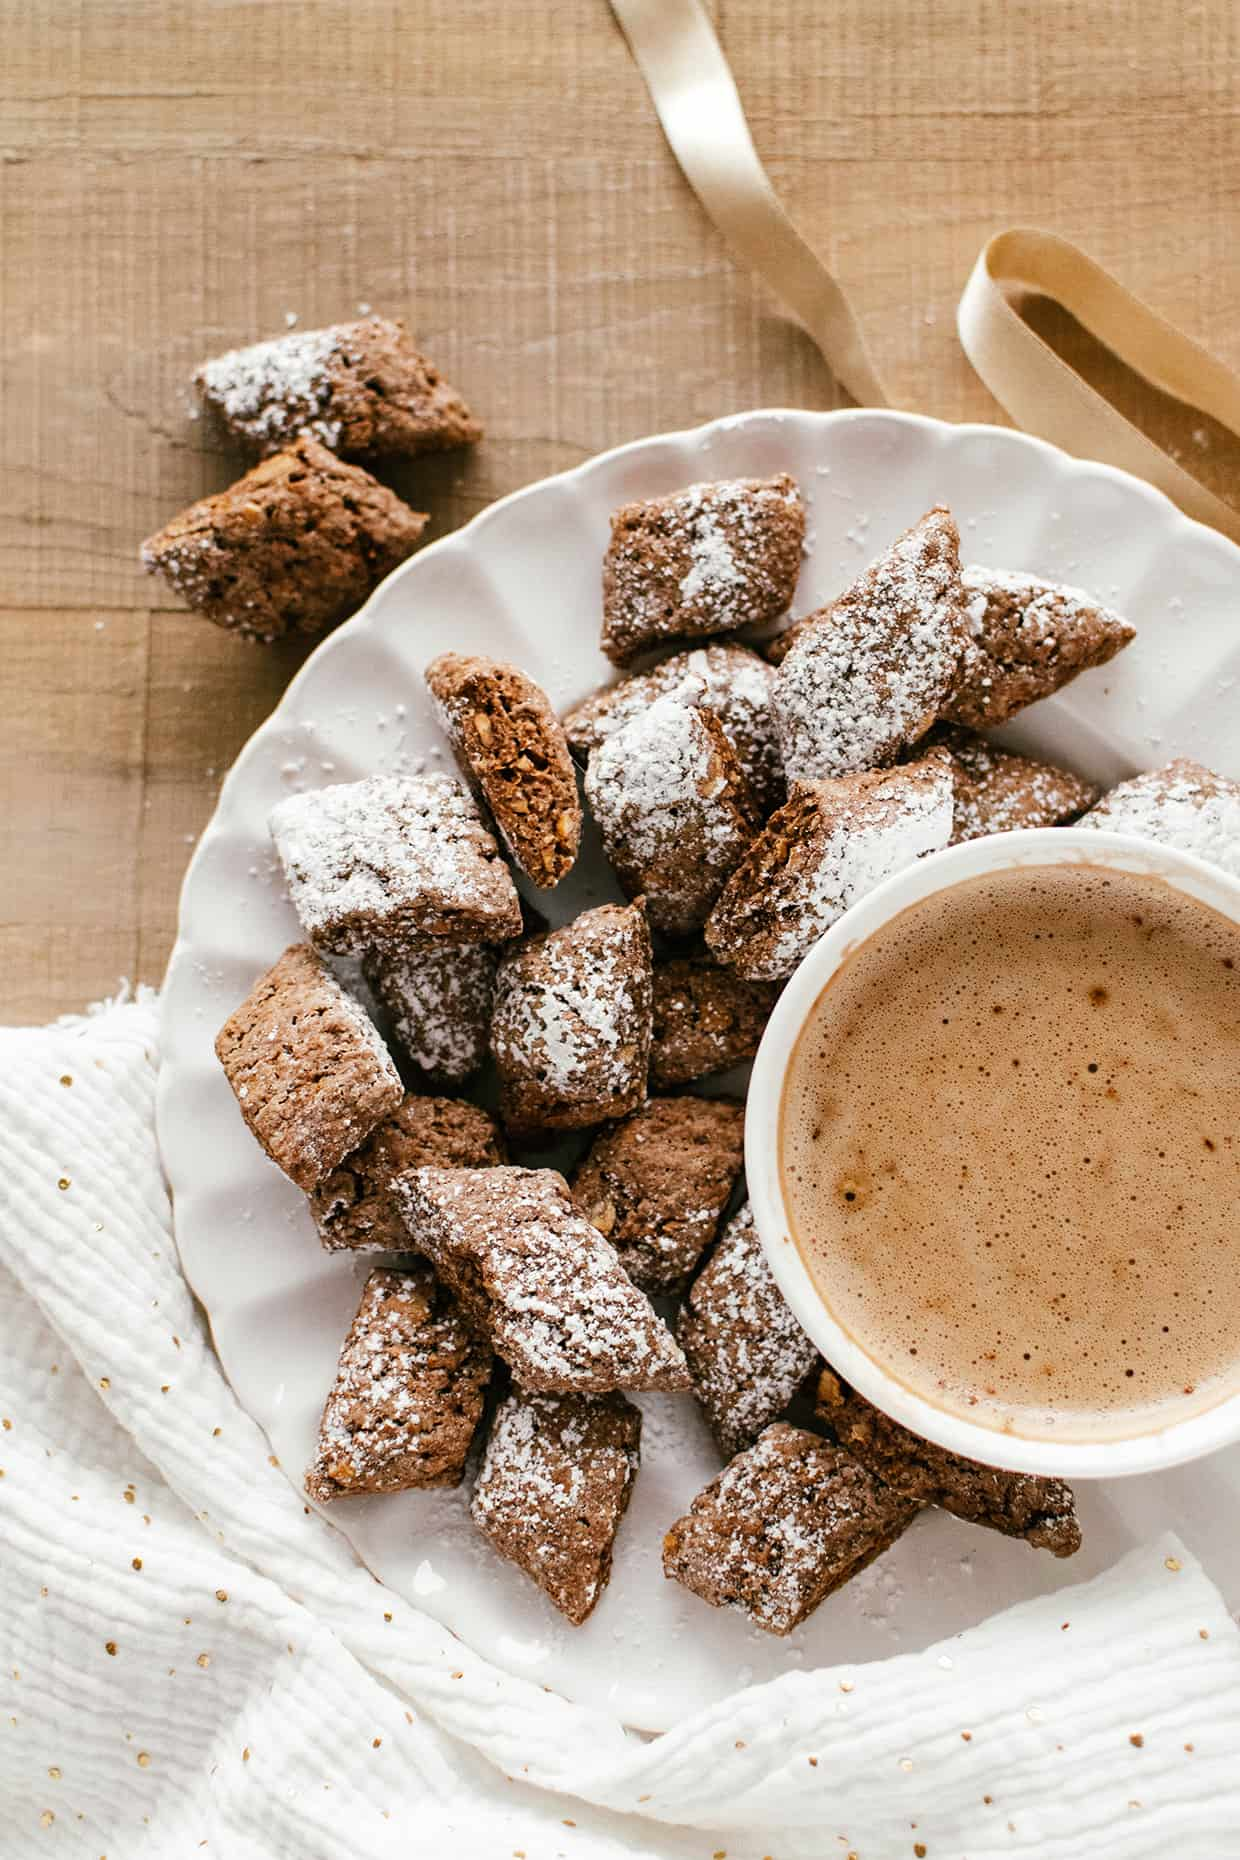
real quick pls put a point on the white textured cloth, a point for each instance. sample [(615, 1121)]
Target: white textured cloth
[(191, 1662)]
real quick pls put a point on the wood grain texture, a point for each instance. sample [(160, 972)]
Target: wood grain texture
[(175, 179)]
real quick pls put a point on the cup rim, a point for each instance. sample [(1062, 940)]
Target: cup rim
[(1180, 1440)]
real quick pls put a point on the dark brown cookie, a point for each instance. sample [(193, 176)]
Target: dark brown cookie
[(729, 679), (1042, 1511), (408, 1392), (539, 1279), (656, 1184), (512, 748), (353, 1205), (871, 672), (1026, 639), (571, 1029), (293, 547), (996, 792), (705, 1019), (361, 389), (372, 864), (669, 799), (438, 998), (554, 1485), (1184, 805), (746, 1352), (787, 1523), (829, 844), (310, 1073), (706, 560)]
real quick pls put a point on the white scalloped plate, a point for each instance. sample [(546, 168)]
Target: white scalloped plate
[(522, 581)]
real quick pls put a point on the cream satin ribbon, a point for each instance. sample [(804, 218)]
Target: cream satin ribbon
[(694, 93)]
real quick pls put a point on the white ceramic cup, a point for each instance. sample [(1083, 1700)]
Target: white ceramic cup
[(1184, 1439)]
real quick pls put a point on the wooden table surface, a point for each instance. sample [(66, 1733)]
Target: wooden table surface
[(176, 179)]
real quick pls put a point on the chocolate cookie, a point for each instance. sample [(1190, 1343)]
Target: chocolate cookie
[(1042, 1511), (307, 1066), (667, 794), (293, 547), (867, 676), (996, 792), (1184, 805), (408, 1392), (706, 560), (787, 1523), (705, 1019), (372, 864), (829, 844), (746, 1352), (361, 389), (656, 1184), (539, 1279), (728, 679), (511, 746), (353, 1207), (571, 1029), (1026, 638), (554, 1485), (438, 998)]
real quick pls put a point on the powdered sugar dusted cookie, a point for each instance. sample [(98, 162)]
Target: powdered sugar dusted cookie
[(372, 863), (353, 1207), (293, 547), (408, 1392), (1042, 1511), (656, 1184), (1026, 639), (670, 802), (996, 792), (787, 1523), (539, 1279), (706, 560), (511, 746), (1184, 805), (310, 1073), (726, 678), (705, 1019), (870, 673), (570, 1033), (554, 1485), (438, 997), (829, 844), (746, 1352), (362, 389)]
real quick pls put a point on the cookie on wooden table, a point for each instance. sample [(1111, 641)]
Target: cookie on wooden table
[(438, 998), (361, 389), (570, 1033), (372, 864), (1026, 638), (728, 679), (1184, 804), (670, 802), (705, 1019), (539, 1279), (746, 1352), (353, 1206), (656, 1183), (705, 560), (293, 547), (868, 675), (408, 1392), (555, 1482), (830, 843), (307, 1067), (997, 792), (1042, 1511), (512, 748), (784, 1525)]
